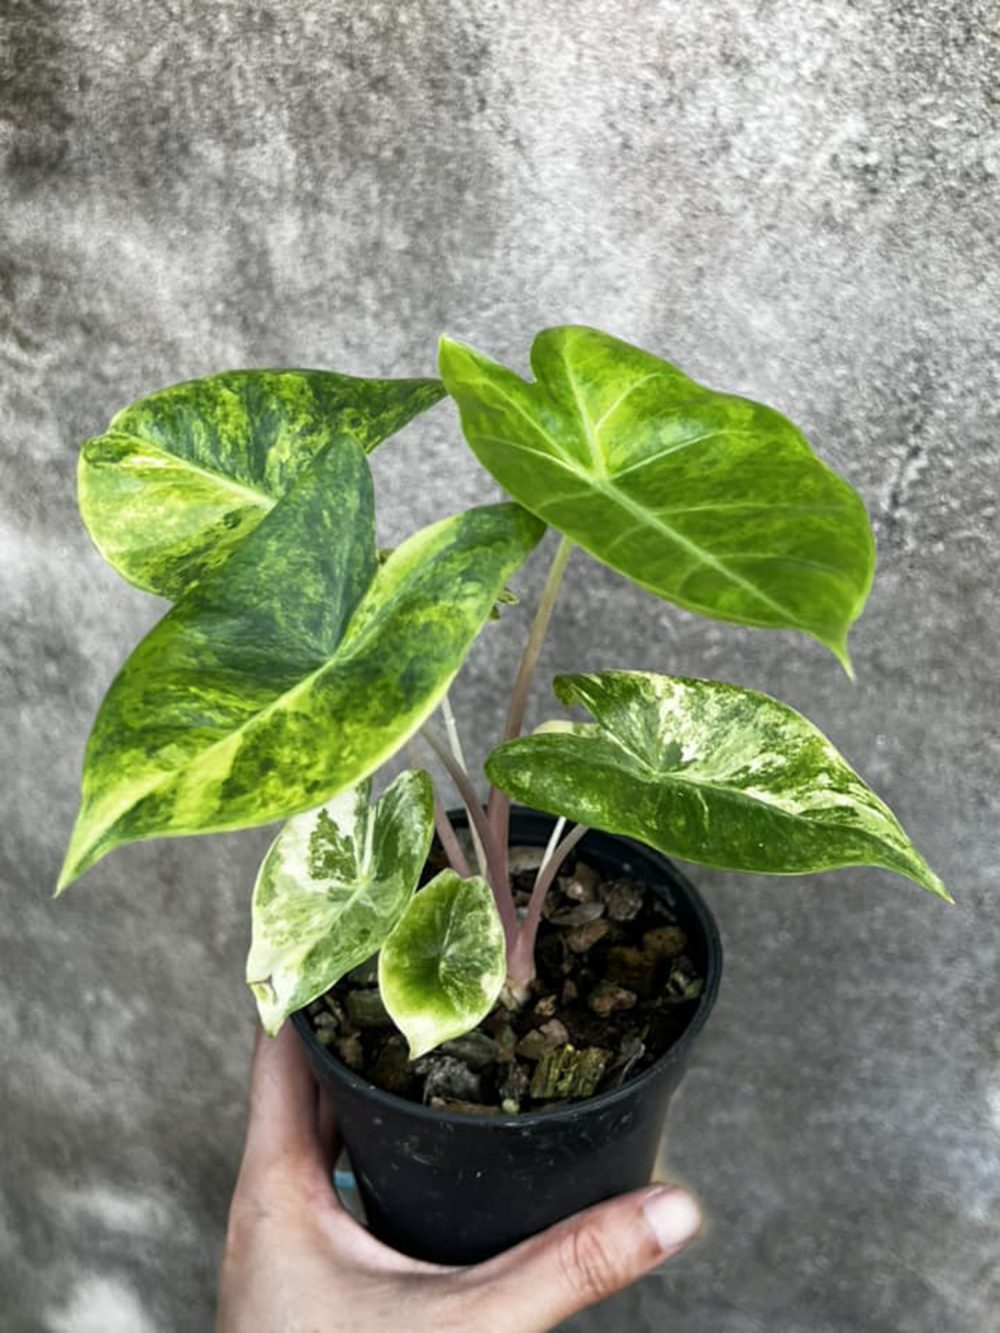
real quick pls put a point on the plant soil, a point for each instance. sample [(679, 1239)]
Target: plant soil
[(614, 991)]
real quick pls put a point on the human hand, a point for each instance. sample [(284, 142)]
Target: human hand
[(296, 1262)]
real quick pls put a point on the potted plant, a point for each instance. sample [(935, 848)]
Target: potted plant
[(501, 1013)]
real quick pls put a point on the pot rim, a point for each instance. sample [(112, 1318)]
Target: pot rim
[(603, 1100)]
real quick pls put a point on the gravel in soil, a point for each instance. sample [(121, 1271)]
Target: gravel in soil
[(615, 989)]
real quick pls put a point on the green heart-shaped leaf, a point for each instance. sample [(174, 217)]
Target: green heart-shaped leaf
[(295, 670), (442, 968), (712, 501), (332, 886), (180, 478), (709, 772)]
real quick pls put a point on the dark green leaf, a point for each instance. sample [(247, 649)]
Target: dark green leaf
[(294, 671)]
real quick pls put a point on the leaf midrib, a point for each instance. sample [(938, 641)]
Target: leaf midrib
[(682, 777), (615, 496), (261, 499)]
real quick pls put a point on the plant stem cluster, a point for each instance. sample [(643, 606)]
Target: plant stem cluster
[(490, 826)]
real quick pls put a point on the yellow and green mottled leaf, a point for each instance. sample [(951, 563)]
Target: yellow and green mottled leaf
[(295, 670), (708, 772), (331, 888), (443, 967), (180, 478), (709, 500)]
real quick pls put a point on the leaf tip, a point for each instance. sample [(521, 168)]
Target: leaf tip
[(269, 1012), (75, 863), (842, 653), (921, 873), (447, 349), (936, 886)]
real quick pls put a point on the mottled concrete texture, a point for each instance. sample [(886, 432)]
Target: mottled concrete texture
[(794, 200)]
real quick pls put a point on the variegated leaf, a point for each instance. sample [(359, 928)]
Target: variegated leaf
[(294, 671), (443, 967), (332, 886), (709, 772), (180, 478), (712, 501)]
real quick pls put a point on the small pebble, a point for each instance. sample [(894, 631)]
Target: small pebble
[(623, 898), (581, 886), (546, 1006), (475, 1048), (632, 1050), (683, 983), (633, 968), (444, 1076), (554, 1032), (505, 1036), (578, 915), (532, 1045), (609, 998), (664, 942), (585, 937), (520, 859), (391, 1070), (351, 1051), (366, 1010)]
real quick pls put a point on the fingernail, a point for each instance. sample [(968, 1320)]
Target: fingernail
[(673, 1216)]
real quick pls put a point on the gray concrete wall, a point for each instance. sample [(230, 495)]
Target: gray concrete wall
[(794, 200)]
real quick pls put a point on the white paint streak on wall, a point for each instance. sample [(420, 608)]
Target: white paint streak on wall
[(116, 1209), (99, 1304)]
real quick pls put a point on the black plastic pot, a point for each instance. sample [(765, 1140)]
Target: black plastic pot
[(456, 1188)]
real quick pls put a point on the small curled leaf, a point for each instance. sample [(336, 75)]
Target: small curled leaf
[(444, 965)]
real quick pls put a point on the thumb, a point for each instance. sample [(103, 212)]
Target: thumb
[(591, 1256), (283, 1126)]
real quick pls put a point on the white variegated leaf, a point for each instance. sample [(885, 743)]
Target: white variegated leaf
[(706, 771), (332, 887)]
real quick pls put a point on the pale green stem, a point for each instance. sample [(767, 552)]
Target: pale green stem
[(495, 866), (447, 836), (448, 839), (498, 805), (521, 963), (551, 845), (455, 741)]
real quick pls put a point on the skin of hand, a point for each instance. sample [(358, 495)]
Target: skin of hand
[(296, 1262)]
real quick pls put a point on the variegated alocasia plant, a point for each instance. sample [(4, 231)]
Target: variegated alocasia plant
[(297, 659)]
